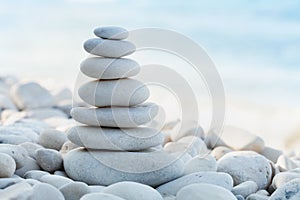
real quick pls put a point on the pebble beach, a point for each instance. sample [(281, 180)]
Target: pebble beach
[(52, 148)]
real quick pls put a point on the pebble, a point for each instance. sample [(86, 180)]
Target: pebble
[(133, 191), (46, 192), (19, 154), (6, 103), (55, 180), (111, 32), (7, 165), (108, 68), (31, 148), (74, 190), (151, 168), (215, 178), (13, 139), (19, 131), (109, 48), (115, 139), (271, 153), (122, 92), (284, 177), (202, 191), (52, 139), (220, 151), (240, 139), (31, 95), (35, 174), (245, 189), (6, 182), (18, 191), (124, 117), (30, 164), (247, 166), (257, 197), (98, 196), (288, 191), (49, 160), (284, 163), (200, 163)]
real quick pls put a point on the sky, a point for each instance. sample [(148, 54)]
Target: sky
[(254, 44)]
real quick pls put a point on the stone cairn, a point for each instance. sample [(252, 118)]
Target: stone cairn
[(116, 144)]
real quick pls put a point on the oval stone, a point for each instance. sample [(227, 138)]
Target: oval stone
[(108, 68), (111, 32), (133, 191), (108, 48), (7, 166), (123, 117), (123, 92), (108, 167), (115, 139), (204, 191)]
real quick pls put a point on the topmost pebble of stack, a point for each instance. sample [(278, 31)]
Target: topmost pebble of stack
[(111, 32)]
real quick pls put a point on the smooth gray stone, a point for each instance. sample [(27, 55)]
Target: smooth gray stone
[(31, 95), (6, 182), (30, 164), (109, 48), (74, 190), (111, 32), (98, 196), (216, 178), (115, 139), (123, 117), (46, 192), (55, 180), (133, 191), (18, 191), (109, 68), (245, 189), (247, 166), (49, 160), (35, 174), (288, 191), (203, 191), (19, 154), (122, 92), (52, 139), (13, 139), (108, 167)]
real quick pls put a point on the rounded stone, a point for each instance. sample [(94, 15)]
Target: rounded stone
[(247, 166), (7, 165), (109, 68), (31, 95), (35, 174), (106, 168), (19, 154), (46, 192), (200, 163), (74, 190), (288, 191), (245, 189), (52, 139), (123, 117), (111, 32), (133, 191), (98, 196), (30, 164), (49, 160), (204, 191), (284, 177), (55, 180), (108, 48), (122, 92), (216, 178), (115, 139)]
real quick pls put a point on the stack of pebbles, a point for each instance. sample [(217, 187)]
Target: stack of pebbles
[(115, 145)]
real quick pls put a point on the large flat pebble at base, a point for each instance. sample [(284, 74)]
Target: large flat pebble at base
[(106, 168)]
